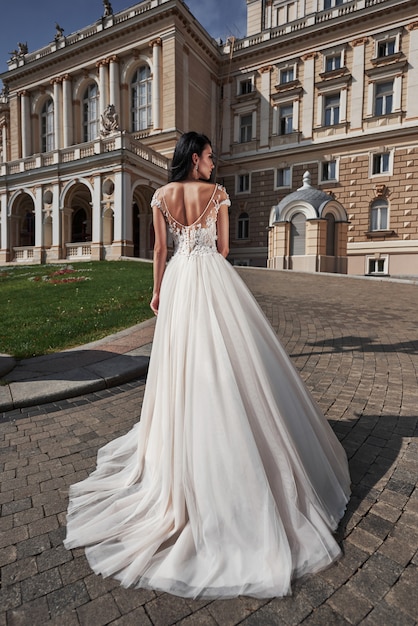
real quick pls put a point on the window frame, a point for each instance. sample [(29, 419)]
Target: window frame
[(243, 188), (377, 259), (385, 98), (141, 99), (91, 116), (276, 178), (283, 120), (47, 127), (331, 109), (243, 226), (377, 163), (325, 165), (381, 221), (245, 130)]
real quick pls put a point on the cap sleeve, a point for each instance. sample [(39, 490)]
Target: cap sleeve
[(223, 197), (155, 201)]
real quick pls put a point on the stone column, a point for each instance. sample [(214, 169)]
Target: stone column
[(308, 97), (156, 83), (4, 142), (265, 105), (25, 128), (67, 111), (357, 84), (103, 84), (411, 95), (114, 87), (226, 117), (57, 83)]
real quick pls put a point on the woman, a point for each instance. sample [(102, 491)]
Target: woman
[(232, 483)]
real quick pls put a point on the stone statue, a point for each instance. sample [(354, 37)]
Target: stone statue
[(60, 32), (109, 120), (22, 48), (107, 8)]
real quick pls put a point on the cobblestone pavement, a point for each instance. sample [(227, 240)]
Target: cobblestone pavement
[(355, 343)]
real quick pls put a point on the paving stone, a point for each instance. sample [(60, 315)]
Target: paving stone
[(231, 612), (32, 613), (67, 598), (99, 612), (75, 569), (8, 555), (10, 597), (33, 546), (138, 617), (384, 614), (129, 599), (167, 609), (323, 616), (16, 506), (19, 570), (349, 604), (53, 557), (404, 593), (40, 585)]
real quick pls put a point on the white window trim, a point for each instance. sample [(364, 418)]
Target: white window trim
[(237, 126), (237, 177), (377, 257), (337, 171), (386, 36), (294, 103), (333, 52), (276, 186), (282, 67), (243, 79), (343, 105), (391, 159), (397, 91)]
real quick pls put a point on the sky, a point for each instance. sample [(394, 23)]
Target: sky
[(33, 21)]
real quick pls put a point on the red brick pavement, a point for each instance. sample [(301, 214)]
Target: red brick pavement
[(355, 343)]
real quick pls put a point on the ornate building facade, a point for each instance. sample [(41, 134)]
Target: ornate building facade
[(89, 122)]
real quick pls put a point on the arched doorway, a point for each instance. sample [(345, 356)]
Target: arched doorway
[(22, 222), (79, 226), (330, 246), (298, 235)]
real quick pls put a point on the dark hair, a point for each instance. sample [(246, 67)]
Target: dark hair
[(187, 145)]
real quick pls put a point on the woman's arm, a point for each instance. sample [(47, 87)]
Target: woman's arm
[(222, 242), (160, 255)]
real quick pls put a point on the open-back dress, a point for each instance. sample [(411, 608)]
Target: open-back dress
[(232, 482)]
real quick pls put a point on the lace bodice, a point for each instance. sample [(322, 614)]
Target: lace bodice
[(200, 237)]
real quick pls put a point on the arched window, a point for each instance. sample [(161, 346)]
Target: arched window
[(47, 126), (297, 235), (330, 234), (379, 215), (243, 226), (91, 113), (141, 103)]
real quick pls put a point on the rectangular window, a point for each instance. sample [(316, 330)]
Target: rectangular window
[(283, 178), (329, 4), (286, 13), (245, 86), (383, 98), (287, 75), (386, 48), (332, 110), (333, 62), (377, 266), (381, 163), (286, 120), (329, 170), (246, 128), (243, 183), (379, 217)]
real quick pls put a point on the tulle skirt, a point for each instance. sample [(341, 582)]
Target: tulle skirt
[(232, 482)]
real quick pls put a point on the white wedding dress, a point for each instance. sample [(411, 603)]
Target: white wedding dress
[(233, 482)]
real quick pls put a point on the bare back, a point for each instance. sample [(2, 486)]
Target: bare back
[(187, 201)]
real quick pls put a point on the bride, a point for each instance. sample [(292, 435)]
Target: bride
[(232, 482)]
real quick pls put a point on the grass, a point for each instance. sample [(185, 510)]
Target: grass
[(45, 309)]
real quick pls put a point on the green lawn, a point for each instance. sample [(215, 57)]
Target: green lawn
[(46, 308)]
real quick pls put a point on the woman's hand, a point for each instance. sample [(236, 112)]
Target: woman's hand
[(155, 303)]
